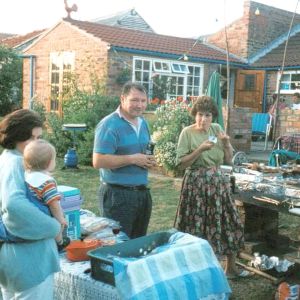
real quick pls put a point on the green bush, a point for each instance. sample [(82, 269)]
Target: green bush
[(10, 80), (171, 118), (82, 107)]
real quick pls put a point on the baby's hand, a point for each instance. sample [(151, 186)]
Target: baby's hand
[(63, 223)]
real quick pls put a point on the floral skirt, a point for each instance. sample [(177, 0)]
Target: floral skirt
[(207, 210)]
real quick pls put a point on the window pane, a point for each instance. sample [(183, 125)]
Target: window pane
[(286, 77), (138, 76), (295, 77), (190, 80), (196, 71), (180, 80), (54, 104), (54, 91), (145, 76), (54, 66), (54, 78), (67, 66), (196, 91), (138, 64), (157, 66), (249, 82), (165, 66), (146, 65), (189, 90), (197, 81), (284, 86), (176, 67), (180, 90)]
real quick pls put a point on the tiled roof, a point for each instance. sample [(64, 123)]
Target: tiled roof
[(18, 40), (126, 19), (135, 40), (274, 57), (5, 36)]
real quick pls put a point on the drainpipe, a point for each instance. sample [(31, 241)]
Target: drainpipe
[(31, 78)]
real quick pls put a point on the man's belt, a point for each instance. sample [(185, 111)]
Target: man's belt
[(127, 187)]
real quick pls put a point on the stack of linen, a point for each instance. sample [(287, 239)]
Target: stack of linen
[(185, 268), (70, 202)]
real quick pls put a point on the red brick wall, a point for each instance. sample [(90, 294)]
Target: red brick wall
[(90, 59), (288, 122), (239, 128), (253, 32)]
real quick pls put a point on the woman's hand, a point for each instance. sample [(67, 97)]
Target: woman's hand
[(225, 139), (228, 150), (206, 145)]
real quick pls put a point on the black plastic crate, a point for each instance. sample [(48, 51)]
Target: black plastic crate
[(102, 261)]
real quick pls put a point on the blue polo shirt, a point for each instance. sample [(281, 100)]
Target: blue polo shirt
[(115, 135)]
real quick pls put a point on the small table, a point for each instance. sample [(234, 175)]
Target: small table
[(71, 283)]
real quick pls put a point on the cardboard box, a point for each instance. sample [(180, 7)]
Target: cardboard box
[(73, 220)]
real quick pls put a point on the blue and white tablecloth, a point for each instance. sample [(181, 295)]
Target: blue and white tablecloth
[(185, 268), (71, 283)]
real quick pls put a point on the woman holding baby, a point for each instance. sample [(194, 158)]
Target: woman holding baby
[(206, 207)]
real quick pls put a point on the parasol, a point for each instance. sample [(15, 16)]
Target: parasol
[(213, 90)]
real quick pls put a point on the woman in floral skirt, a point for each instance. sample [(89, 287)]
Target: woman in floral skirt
[(206, 207)]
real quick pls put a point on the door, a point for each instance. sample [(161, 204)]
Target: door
[(249, 88)]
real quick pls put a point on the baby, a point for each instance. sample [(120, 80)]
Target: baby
[(39, 162)]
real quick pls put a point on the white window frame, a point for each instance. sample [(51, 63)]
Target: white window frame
[(183, 68), (60, 59), (155, 71), (288, 82), (164, 66)]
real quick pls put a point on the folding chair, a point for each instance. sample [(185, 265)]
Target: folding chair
[(261, 126)]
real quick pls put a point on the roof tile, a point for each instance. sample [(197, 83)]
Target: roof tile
[(146, 41)]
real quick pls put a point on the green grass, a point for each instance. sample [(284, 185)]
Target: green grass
[(165, 194)]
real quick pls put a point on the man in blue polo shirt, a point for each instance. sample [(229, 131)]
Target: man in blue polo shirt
[(121, 139)]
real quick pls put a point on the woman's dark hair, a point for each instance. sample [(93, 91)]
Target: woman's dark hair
[(204, 104), (17, 127)]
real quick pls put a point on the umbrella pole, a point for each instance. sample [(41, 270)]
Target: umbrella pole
[(280, 76)]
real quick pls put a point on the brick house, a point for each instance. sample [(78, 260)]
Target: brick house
[(256, 43), (87, 48), (259, 37)]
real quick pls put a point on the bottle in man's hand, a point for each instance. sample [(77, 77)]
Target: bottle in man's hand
[(150, 148)]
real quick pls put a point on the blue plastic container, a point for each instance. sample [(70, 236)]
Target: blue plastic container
[(71, 159)]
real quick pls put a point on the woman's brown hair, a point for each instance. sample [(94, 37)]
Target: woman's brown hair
[(204, 104), (17, 127)]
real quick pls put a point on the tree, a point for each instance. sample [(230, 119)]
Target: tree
[(10, 80)]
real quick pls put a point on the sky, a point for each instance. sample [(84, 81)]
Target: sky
[(188, 18)]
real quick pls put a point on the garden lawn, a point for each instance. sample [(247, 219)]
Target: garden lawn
[(165, 193)]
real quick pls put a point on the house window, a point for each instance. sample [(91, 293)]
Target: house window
[(180, 68), (194, 81), (168, 79), (161, 66), (290, 82), (249, 82), (61, 68)]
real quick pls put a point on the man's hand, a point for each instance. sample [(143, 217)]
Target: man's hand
[(143, 160)]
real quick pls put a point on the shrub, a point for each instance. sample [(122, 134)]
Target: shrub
[(81, 107), (171, 118), (10, 80)]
